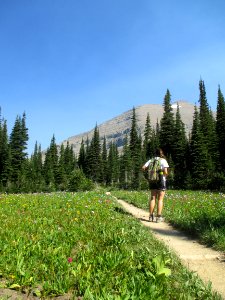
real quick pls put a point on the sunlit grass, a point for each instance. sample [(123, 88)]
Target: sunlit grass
[(199, 213), (86, 245)]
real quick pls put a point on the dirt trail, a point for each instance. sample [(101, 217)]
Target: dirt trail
[(206, 262)]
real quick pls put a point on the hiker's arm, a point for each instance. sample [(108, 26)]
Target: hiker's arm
[(145, 166), (165, 171)]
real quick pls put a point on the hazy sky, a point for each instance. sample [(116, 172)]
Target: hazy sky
[(69, 64)]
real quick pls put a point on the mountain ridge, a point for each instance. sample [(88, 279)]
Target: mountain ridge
[(115, 129)]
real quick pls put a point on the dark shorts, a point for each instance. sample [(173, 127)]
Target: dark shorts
[(159, 185)]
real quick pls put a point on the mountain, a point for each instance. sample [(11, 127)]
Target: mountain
[(116, 129)]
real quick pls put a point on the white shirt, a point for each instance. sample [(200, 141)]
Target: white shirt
[(163, 164)]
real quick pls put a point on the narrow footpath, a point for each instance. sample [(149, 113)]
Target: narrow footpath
[(206, 262)]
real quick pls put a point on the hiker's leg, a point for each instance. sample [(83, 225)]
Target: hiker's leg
[(161, 195), (152, 201)]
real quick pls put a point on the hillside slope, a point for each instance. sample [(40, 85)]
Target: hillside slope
[(116, 129)]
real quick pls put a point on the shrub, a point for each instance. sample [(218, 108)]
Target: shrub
[(78, 182), (217, 182)]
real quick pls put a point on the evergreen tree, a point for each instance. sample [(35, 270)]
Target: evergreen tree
[(51, 165), (135, 150), (156, 135), (133, 134), (54, 157), (104, 161), (199, 162), (88, 156), (36, 172), (82, 156), (48, 171), (148, 143), (125, 166), (113, 165), (94, 157), (179, 151), (25, 136), (18, 146), (203, 109), (61, 176), (208, 127), (4, 155), (70, 161), (220, 129), (166, 134), (155, 142)]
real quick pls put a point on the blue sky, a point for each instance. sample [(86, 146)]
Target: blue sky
[(70, 64)]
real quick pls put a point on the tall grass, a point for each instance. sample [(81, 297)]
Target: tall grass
[(199, 213), (84, 244)]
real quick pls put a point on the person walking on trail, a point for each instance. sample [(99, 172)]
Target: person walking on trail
[(158, 187)]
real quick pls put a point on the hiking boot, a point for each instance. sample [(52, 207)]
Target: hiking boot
[(159, 219), (151, 218)]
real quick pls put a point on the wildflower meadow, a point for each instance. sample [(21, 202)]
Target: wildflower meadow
[(199, 213), (85, 246)]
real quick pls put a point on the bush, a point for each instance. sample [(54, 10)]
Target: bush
[(78, 182), (217, 182), (144, 184)]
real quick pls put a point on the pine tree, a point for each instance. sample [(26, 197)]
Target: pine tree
[(220, 129), (113, 165), (148, 143), (88, 156), (51, 165), (166, 134), (104, 161), (25, 136), (70, 162), (61, 176), (155, 138), (199, 162), (203, 109), (94, 157), (125, 166), (208, 126), (16, 151), (4, 155), (48, 171), (54, 155), (18, 146), (133, 134), (179, 151), (36, 170), (82, 157), (135, 150)]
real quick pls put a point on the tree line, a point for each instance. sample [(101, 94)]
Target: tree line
[(196, 160)]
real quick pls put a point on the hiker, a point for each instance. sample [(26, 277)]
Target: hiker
[(158, 187)]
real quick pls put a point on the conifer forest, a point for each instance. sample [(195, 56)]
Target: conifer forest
[(196, 161)]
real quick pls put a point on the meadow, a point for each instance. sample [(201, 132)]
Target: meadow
[(198, 213), (85, 245)]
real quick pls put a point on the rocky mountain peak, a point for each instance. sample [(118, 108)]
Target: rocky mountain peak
[(115, 130)]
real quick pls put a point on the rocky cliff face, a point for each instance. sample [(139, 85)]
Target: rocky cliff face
[(116, 129)]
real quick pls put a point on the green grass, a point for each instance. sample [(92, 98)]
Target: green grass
[(199, 213), (85, 245)]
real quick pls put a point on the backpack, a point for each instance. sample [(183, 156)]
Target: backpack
[(154, 170)]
